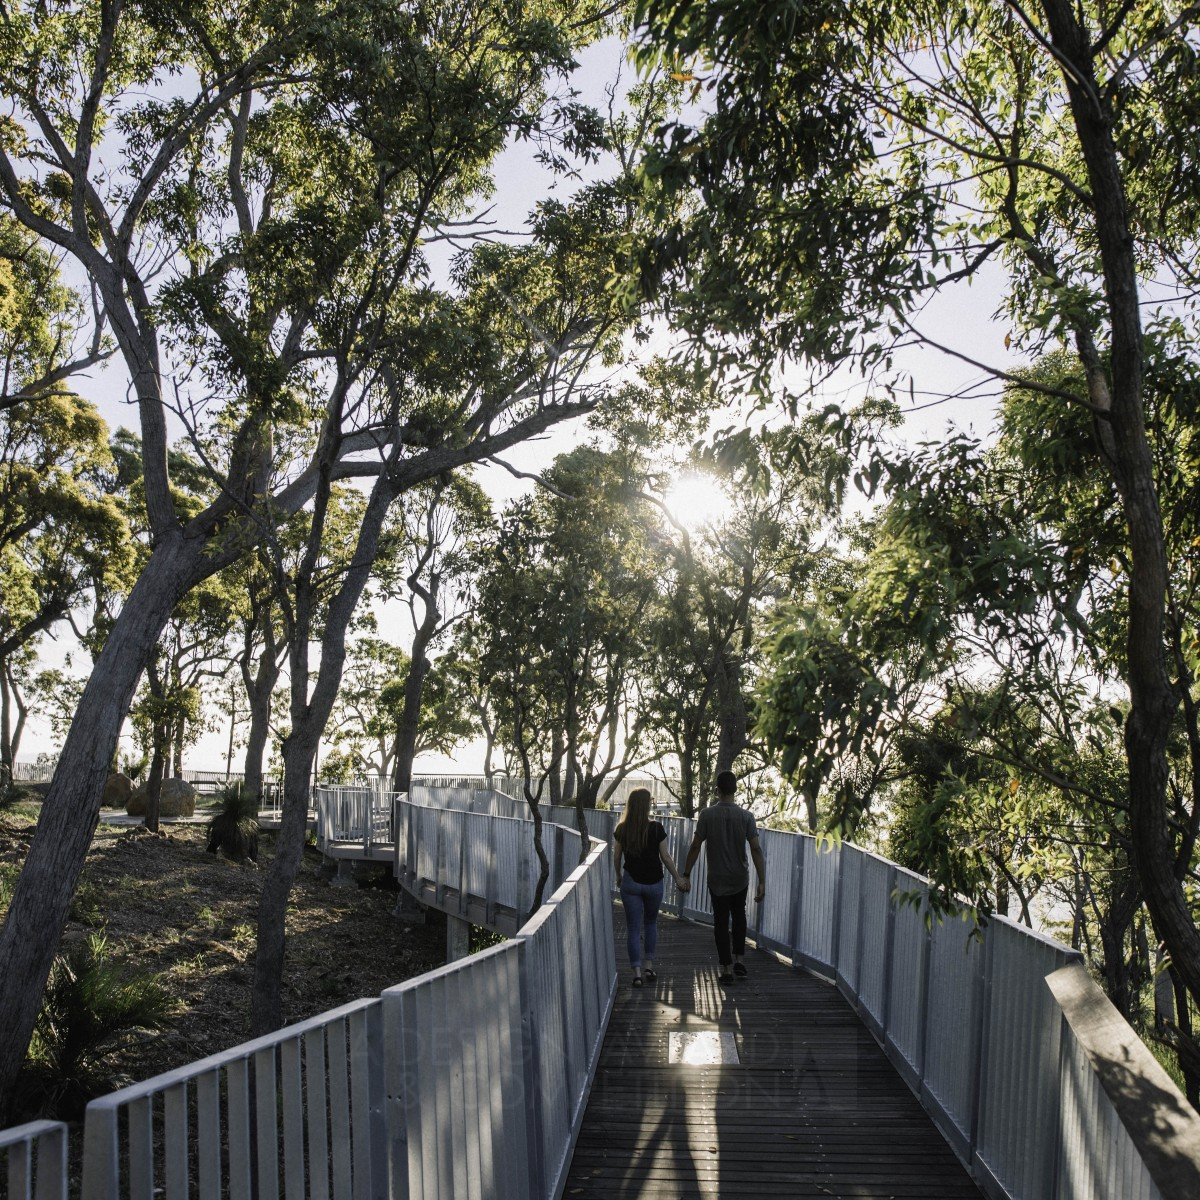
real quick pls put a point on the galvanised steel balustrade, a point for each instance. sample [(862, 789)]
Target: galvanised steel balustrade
[(471, 1080), (35, 1158), (973, 1020)]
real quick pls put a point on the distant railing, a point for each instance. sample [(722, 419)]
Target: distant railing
[(33, 772), (357, 816), (34, 1159), (466, 1081)]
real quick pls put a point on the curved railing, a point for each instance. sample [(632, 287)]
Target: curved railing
[(469, 1080), (1033, 1099)]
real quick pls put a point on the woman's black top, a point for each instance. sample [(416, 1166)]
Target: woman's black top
[(645, 866)]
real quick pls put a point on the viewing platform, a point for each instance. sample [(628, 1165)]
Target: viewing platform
[(871, 1053)]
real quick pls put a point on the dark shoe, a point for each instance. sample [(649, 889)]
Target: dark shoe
[(739, 969), (726, 975), (650, 974), (637, 981)]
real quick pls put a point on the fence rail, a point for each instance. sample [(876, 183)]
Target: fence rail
[(471, 1080), (967, 1016), (467, 1081), (35, 1160)]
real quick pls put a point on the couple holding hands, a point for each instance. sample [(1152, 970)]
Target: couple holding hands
[(640, 853)]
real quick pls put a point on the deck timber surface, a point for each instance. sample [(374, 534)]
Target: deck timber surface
[(813, 1108)]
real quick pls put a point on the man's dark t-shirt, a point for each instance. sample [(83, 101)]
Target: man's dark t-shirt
[(726, 829)]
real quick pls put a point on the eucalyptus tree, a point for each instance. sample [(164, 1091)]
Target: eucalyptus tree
[(42, 322), (259, 652), (481, 691), (193, 649), (977, 661), (722, 578), (63, 533), (371, 702), (564, 600), (253, 232), (854, 158), (435, 528)]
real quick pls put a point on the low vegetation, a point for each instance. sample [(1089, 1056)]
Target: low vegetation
[(157, 956)]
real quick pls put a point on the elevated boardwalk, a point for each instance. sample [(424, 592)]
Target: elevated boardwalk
[(939, 1061), (811, 1108)]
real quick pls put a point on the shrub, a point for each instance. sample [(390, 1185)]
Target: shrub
[(91, 1009), (233, 828)]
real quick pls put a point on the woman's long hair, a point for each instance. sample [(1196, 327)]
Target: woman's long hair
[(634, 826)]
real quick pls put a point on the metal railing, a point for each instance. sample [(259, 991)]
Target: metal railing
[(35, 1160), (467, 1081), (968, 1018), (356, 816), (299, 1107), (471, 1080)]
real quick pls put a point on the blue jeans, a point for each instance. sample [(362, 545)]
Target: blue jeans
[(641, 902)]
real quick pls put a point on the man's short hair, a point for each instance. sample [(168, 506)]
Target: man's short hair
[(726, 783)]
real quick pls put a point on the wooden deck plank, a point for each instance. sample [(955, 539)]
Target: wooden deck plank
[(812, 1109)]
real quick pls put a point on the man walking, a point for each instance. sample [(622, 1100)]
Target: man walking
[(727, 829)]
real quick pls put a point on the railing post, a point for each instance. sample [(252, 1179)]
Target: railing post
[(835, 939), (858, 934), (368, 806), (101, 1154), (889, 948), (374, 1093), (982, 1006), (797, 882), (531, 1076), (923, 1006)]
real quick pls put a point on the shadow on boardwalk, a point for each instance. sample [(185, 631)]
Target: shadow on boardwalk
[(811, 1107)]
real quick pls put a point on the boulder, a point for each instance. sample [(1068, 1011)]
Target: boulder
[(117, 790), (177, 799)]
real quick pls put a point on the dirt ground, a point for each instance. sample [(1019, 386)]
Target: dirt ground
[(169, 908)]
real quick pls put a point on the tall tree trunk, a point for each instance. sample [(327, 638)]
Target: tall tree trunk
[(299, 753), (409, 725), (687, 784), (489, 747), (260, 688), (557, 758), (732, 721), (154, 782), (256, 746), (1121, 429), (159, 738), (18, 728), (7, 754), (233, 717), (310, 715), (42, 896)]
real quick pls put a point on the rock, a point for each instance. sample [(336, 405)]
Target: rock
[(117, 790), (177, 799)]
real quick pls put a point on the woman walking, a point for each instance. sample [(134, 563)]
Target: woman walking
[(639, 855)]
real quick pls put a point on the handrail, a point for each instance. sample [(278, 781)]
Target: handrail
[(35, 1160), (479, 1067)]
